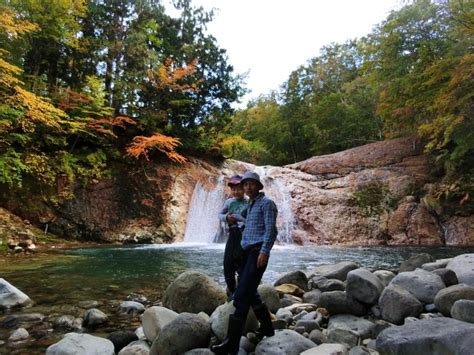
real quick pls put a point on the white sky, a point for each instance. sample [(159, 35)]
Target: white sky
[(271, 38)]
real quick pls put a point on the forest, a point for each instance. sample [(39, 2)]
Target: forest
[(86, 83)]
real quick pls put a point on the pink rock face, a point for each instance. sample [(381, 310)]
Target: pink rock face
[(459, 231)]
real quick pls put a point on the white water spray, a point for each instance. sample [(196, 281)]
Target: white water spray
[(203, 223)]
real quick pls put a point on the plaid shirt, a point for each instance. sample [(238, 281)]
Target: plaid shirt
[(260, 225)]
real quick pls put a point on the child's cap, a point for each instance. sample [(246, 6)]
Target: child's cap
[(234, 180)]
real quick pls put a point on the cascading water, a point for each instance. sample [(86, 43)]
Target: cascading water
[(278, 192), (202, 223)]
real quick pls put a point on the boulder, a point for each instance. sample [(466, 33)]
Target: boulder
[(297, 278), (463, 310), (445, 298), (312, 296), (338, 302), (415, 261), (286, 342), (18, 335), (220, 320), (463, 266), (94, 318), (186, 332), (424, 285), (363, 286), (139, 347), (343, 336), (362, 327), (427, 336), (11, 297), (131, 307), (438, 264), (269, 296), (327, 349), (337, 271), (67, 323), (154, 319), (81, 344), (385, 276), (447, 275), (289, 289), (396, 303), (193, 292), (121, 338)]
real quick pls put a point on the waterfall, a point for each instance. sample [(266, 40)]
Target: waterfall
[(202, 222), (276, 190)]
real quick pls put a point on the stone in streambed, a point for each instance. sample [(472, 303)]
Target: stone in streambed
[(11, 297), (81, 344)]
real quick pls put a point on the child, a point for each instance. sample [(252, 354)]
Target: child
[(234, 213)]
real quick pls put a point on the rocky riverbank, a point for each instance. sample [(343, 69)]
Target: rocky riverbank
[(426, 307)]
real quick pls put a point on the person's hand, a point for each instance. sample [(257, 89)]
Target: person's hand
[(230, 218), (262, 260)]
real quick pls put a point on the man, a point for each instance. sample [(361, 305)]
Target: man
[(233, 213), (257, 240)]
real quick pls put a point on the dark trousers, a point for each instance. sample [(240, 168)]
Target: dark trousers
[(246, 295), (232, 257)]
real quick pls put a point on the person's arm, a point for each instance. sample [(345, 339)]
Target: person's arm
[(224, 211), (270, 233)]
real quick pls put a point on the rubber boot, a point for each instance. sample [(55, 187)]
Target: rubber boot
[(230, 345), (266, 325)]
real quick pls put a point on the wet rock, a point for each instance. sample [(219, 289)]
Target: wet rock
[(363, 286), (396, 303), (89, 304), (186, 332), (18, 335), (11, 297), (15, 320), (75, 343), (428, 336), (131, 307), (154, 319), (463, 310), (424, 285), (337, 271), (463, 266), (121, 338), (94, 318), (448, 276), (67, 323), (269, 296), (415, 261), (297, 278), (445, 298), (286, 342), (193, 292)]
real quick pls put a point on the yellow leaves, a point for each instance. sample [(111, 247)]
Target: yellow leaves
[(12, 25), (7, 73), (170, 77), (142, 145)]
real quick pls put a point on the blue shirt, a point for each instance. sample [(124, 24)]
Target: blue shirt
[(260, 226), (236, 207)]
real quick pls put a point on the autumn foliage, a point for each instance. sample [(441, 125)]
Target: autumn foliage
[(141, 146)]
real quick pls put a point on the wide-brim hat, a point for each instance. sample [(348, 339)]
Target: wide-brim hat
[(251, 175), (234, 180)]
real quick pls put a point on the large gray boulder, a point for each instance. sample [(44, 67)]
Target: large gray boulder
[(312, 296), (81, 344), (327, 349), (463, 266), (427, 336), (154, 319), (188, 331), (396, 303), (363, 327), (269, 296), (363, 286), (385, 276), (297, 278), (338, 302), (424, 285), (445, 298), (415, 261), (463, 310), (286, 342), (220, 320), (139, 347), (193, 292), (11, 297), (337, 271)]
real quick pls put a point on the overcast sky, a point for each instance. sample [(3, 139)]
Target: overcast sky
[(271, 38)]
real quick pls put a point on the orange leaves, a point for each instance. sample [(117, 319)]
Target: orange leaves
[(170, 77), (105, 125), (143, 145)]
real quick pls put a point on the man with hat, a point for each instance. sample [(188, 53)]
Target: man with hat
[(258, 238), (233, 213)]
